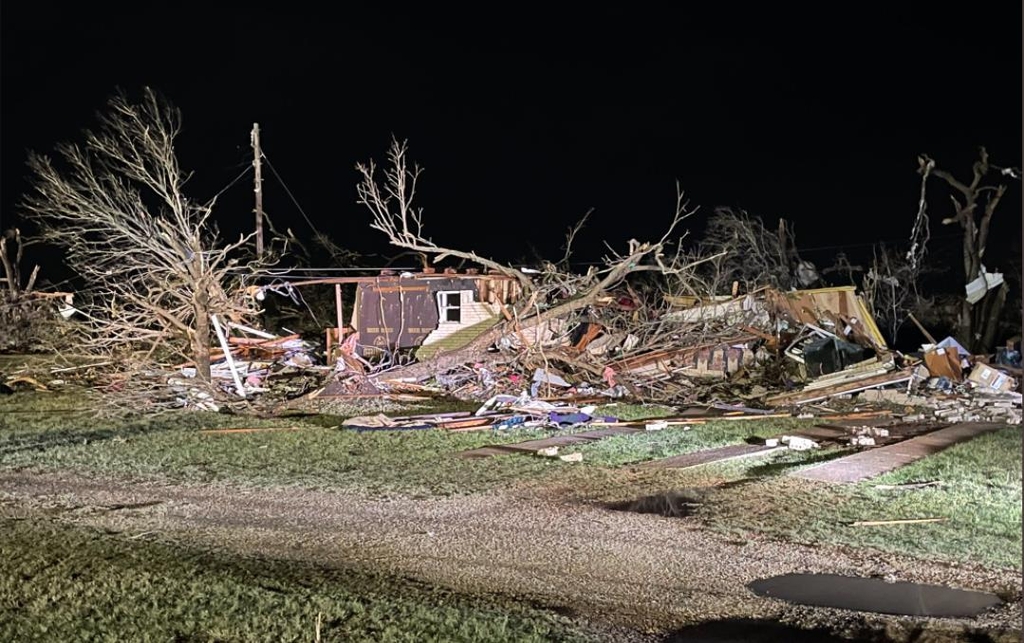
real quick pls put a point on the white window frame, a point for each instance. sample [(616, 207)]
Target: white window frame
[(444, 305)]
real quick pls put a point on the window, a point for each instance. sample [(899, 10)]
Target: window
[(449, 306)]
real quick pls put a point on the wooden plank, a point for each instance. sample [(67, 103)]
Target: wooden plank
[(721, 454), (907, 521), (874, 462), (802, 397)]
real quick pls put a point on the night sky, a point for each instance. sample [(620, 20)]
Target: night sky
[(525, 118)]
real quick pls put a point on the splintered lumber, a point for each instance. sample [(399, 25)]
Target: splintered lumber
[(860, 415), (908, 485), (448, 415), (927, 335), (26, 379), (907, 521), (688, 421), (532, 446), (842, 388), (465, 424), (256, 341)]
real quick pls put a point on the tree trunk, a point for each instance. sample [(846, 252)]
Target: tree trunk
[(201, 336), (966, 327), (989, 326)]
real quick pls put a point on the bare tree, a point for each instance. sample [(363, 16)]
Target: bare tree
[(891, 284), (150, 254), (394, 213), (890, 288), (549, 293), (974, 203), (754, 256), (11, 258)]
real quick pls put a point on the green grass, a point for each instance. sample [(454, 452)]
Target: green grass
[(379, 462), (629, 412), (321, 454), (676, 440), (63, 583), (979, 498)]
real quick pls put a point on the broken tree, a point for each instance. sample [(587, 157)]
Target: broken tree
[(150, 254), (974, 203), (547, 295), (29, 320)]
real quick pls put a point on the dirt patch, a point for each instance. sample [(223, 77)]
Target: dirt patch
[(623, 568)]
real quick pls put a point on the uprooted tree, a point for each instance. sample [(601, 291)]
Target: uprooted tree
[(149, 255), (974, 203), (548, 294)]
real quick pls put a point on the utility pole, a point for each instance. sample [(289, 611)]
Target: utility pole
[(257, 154)]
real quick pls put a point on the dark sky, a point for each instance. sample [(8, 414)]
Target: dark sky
[(525, 118)]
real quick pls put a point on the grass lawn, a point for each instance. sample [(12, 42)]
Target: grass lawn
[(651, 445), (979, 495), (64, 583), (48, 430), (318, 454)]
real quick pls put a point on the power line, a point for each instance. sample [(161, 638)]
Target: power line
[(289, 192), (232, 183)]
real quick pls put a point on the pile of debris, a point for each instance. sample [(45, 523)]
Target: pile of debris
[(501, 412), (784, 351), (250, 363)]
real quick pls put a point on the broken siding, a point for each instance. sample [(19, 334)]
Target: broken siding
[(471, 313), (462, 336), (810, 306)]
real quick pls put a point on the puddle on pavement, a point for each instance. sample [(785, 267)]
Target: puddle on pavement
[(674, 504), (875, 595)]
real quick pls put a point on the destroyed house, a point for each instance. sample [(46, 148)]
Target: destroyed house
[(427, 311)]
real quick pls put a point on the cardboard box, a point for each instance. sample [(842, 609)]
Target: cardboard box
[(944, 362), (985, 376)]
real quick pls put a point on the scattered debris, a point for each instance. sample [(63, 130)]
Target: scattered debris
[(883, 523), (534, 357), (798, 443), (913, 445)]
